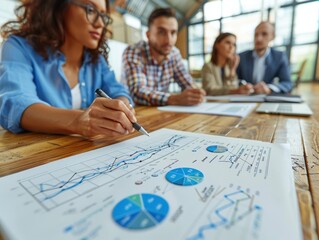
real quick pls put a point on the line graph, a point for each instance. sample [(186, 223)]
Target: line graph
[(76, 180), (231, 209)]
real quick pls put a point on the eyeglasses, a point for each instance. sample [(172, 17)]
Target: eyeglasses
[(92, 14)]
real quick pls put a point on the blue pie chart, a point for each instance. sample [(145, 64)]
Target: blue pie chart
[(184, 176), (140, 211), (217, 149)]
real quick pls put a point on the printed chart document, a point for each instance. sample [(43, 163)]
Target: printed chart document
[(172, 185), (226, 109)]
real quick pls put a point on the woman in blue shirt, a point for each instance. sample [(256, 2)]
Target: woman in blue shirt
[(51, 64)]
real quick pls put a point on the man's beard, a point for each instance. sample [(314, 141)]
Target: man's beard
[(158, 50)]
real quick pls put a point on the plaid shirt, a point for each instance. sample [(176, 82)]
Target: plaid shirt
[(149, 81)]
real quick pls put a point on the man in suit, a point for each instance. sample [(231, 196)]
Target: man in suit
[(261, 66)]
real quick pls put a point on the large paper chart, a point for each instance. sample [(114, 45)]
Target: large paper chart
[(172, 185)]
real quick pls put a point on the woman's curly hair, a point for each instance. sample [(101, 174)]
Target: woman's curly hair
[(40, 22)]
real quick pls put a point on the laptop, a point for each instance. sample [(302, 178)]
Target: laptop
[(298, 109)]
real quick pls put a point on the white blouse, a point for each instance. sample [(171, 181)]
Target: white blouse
[(76, 97)]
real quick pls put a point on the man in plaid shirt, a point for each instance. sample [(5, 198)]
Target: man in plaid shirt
[(149, 67)]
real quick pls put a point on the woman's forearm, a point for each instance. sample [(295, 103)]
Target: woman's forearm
[(47, 119)]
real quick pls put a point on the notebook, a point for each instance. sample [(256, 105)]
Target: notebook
[(279, 97), (299, 109)]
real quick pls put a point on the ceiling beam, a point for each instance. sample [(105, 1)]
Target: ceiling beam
[(165, 4), (196, 6), (192, 11), (183, 19)]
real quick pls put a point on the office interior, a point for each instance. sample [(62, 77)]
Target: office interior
[(200, 21)]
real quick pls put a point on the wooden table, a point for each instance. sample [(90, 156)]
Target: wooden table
[(27, 150)]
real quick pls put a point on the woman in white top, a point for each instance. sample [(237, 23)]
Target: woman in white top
[(219, 75)]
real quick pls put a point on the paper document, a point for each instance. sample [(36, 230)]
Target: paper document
[(171, 185), (237, 98), (226, 109), (273, 97)]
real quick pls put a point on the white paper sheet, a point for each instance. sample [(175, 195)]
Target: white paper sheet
[(226, 109), (274, 97), (237, 98), (172, 185)]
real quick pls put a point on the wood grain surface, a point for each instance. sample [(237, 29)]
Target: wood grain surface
[(19, 152)]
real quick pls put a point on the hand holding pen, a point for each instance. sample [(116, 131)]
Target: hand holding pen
[(134, 123), (104, 118), (245, 87)]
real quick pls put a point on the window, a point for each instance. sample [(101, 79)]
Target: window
[(283, 27), (306, 13), (273, 3), (212, 10), (195, 36), (249, 6), (196, 63), (211, 32), (198, 17), (299, 54), (7, 11), (230, 7), (243, 27)]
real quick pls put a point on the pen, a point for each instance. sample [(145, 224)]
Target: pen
[(136, 126), (243, 82)]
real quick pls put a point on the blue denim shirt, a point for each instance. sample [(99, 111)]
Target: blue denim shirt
[(27, 78)]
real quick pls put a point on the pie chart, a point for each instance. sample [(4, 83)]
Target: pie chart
[(184, 176), (217, 149), (140, 211)]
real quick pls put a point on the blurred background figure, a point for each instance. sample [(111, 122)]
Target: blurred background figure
[(150, 66), (219, 75), (263, 65)]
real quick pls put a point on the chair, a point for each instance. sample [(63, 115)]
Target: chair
[(299, 73)]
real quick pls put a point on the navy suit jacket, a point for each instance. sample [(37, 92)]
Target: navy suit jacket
[(276, 66)]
